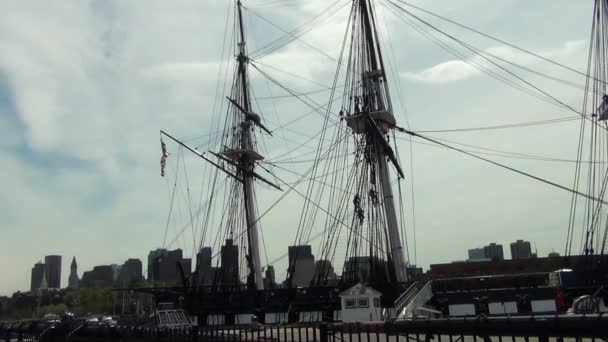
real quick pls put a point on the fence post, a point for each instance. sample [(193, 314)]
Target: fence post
[(323, 333), (194, 333)]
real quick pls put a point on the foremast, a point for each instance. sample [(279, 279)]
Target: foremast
[(370, 114)]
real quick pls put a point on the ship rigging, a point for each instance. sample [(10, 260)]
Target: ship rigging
[(353, 187)]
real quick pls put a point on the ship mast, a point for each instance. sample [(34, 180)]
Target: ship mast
[(237, 159), (372, 117), (248, 157)]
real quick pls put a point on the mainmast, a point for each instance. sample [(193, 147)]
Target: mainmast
[(370, 116), (247, 156)]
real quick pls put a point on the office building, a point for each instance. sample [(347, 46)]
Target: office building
[(521, 249), (229, 267), (477, 254), (302, 264), (166, 270), (100, 276), (365, 269), (53, 271), (130, 273), (269, 278), (152, 256), (204, 276), (38, 274), (324, 270), (493, 251)]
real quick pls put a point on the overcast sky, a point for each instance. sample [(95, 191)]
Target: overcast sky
[(85, 87)]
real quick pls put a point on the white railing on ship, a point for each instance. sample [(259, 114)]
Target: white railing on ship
[(405, 297), (418, 301)]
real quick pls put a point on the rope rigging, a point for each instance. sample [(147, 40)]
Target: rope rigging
[(592, 217), (353, 150), (527, 86), (501, 41)]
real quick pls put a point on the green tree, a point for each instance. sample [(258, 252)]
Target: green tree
[(57, 309)]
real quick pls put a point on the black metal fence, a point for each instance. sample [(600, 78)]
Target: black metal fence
[(482, 329)]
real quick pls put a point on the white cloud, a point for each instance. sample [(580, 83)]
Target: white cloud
[(444, 72), (460, 70)]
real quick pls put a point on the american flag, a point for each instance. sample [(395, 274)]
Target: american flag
[(163, 158)]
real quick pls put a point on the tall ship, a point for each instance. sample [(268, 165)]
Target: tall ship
[(348, 189)]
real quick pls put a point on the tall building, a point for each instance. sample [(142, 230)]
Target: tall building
[(521, 249), (302, 261), (38, 273), (152, 256), (365, 269), (167, 266), (163, 266), (324, 270), (73, 279), (130, 272), (204, 276), (477, 254), (269, 279), (100, 276), (187, 266), (53, 270), (493, 251), (229, 267)]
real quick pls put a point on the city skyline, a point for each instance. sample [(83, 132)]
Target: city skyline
[(85, 89), (306, 271)]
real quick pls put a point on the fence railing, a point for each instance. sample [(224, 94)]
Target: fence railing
[(483, 329)]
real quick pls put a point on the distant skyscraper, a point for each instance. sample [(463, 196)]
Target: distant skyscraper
[(130, 272), (38, 272), (521, 249), (43, 283), (73, 279), (477, 254), (302, 261), (187, 266), (324, 270), (152, 256), (269, 279), (365, 269), (229, 268), (165, 267), (100, 276), (494, 251), (53, 270), (204, 275)]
